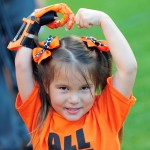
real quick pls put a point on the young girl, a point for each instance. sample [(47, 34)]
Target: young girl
[(57, 99)]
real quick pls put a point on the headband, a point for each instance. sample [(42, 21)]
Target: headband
[(46, 48)]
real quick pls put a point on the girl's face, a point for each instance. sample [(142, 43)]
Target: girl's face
[(70, 94)]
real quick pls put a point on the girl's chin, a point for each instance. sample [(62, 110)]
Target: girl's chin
[(72, 118)]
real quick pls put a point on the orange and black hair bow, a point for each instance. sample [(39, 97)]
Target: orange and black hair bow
[(43, 52), (93, 42)]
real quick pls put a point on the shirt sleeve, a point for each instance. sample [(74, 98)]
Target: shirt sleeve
[(113, 107), (29, 109)]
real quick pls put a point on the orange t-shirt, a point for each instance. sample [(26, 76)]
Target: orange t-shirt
[(97, 130)]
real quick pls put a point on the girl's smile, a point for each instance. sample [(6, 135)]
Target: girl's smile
[(73, 111)]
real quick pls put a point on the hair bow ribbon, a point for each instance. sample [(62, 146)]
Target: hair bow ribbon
[(43, 52), (93, 42)]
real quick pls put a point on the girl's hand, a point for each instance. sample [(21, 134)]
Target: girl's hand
[(86, 18)]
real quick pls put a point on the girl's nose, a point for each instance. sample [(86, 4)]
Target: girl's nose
[(74, 98)]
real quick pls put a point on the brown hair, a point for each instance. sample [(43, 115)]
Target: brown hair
[(72, 50)]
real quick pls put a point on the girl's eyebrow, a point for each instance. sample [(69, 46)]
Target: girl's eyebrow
[(82, 85), (90, 84), (87, 84), (61, 84)]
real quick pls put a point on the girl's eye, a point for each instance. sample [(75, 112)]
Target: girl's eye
[(85, 88), (63, 88)]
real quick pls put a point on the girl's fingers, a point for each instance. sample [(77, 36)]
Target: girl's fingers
[(84, 24), (82, 20), (70, 22), (79, 21)]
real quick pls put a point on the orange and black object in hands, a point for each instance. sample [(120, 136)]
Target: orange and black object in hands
[(22, 38), (43, 16), (68, 16)]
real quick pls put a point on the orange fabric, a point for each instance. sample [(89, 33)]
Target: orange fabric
[(97, 130)]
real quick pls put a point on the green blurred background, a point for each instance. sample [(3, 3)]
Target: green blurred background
[(133, 19)]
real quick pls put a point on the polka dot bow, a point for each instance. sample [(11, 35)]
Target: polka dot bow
[(93, 42), (43, 52)]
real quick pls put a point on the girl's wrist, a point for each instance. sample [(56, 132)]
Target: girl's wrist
[(103, 18)]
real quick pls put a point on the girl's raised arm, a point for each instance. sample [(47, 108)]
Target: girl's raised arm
[(123, 79), (24, 74)]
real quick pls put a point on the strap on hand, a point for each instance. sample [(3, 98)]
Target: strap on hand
[(30, 26)]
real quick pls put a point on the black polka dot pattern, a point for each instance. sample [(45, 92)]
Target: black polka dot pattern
[(94, 41), (46, 45)]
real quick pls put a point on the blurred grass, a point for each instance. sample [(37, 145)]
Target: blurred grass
[(133, 19)]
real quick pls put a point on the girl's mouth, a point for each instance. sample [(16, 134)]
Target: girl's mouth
[(72, 111)]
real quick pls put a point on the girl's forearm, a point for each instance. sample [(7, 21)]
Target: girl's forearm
[(24, 75), (23, 58), (119, 47), (124, 77)]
